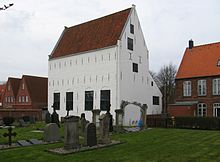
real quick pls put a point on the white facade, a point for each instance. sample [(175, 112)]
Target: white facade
[(107, 69)]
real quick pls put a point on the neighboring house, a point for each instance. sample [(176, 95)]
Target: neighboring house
[(25, 97), (98, 64), (2, 90), (198, 82)]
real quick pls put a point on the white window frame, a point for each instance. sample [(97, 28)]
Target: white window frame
[(201, 88), (187, 88), (26, 99), (215, 107), (201, 110), (216, 86)]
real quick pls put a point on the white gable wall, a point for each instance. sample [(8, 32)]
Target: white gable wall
[(135, 87)]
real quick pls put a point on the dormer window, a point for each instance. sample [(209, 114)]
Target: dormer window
[(218, 63)]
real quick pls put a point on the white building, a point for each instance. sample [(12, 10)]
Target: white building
[(102, 62)]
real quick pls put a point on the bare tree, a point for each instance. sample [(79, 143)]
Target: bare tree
[(166, 82), (5, 7)]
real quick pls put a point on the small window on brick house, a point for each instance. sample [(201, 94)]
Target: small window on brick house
[(131, 28), (22, 85), (130, 43), (27, 99), (218, 63), (135, 67)]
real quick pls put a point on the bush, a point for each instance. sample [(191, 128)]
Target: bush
[(26, 119), (8, 120), (197, 122)]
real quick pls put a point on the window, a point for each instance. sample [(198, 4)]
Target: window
[(69, 101), (26, 98), (201, 87), (12, 99), (105, 100), (202, 109), (9, 87), (89, 100), (187, 88), (135, 67), (216, 109), (130, 56), (19, 99), (152, 83), (56, 101), (130, 44), (22, 98), (140, 59), (218, 63), (131, 28), (9, 99), (216, 86), (156, 100), (22, 85)]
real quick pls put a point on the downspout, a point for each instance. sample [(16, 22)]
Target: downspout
[(118, 75)]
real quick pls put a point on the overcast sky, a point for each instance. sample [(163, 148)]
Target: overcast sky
[(30, 28)]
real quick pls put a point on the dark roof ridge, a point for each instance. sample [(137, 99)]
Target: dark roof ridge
[(97, 18)]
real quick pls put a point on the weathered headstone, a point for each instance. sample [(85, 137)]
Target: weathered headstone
[(55, 118), (104, 128), (51, 133), (71, 132), (95, 116), (90, 135), (35, 141), (82, 123), (47, 118), (110, 121), (9, 135), (24, 143), (22, 123)]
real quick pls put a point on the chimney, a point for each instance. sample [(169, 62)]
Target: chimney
[(190, 44)]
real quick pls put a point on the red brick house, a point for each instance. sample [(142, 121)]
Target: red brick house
[(25, 97), (2, 90), (198, 82)]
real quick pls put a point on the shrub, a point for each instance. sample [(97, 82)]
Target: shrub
[(197, 122), (8, 120)]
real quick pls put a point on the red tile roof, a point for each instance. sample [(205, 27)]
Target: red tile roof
[(200, 61), (91, 35), (15, 83), (37, 88)]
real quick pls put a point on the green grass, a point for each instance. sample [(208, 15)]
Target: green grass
[(150, 145)]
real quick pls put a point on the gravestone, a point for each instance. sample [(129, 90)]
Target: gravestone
[(110, 121), (51, 133), (90, 135), (24, 143), (71, 132), (22, 123), (9, 135), (83, 123), (48, 118), (55, 118), (104, 128), (35, 141)]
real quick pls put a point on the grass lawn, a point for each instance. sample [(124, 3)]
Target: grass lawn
[(150, 145)]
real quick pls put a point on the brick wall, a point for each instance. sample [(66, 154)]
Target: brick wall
[(209, 99)]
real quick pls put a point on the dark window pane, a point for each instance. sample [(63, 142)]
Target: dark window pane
[(156, 100), (131, 28), (135, 67), (56, 99), (89, 100), (130, 44), (105, 100), (69, 100)]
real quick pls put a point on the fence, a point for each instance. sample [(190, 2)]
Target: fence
[(165, 121)]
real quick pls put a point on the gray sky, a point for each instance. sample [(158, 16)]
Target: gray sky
[(30, 28)]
